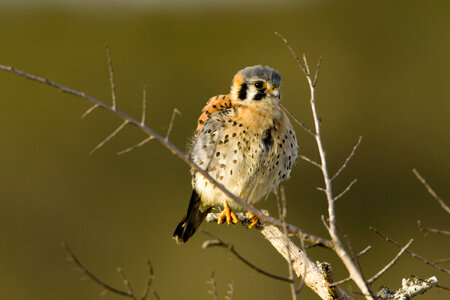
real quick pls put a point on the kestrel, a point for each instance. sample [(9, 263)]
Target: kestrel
[(245, 141)]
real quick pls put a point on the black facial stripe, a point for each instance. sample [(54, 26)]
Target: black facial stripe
[(259, 96), (243, 92)]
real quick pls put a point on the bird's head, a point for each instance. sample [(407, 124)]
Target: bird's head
[(256, 83)]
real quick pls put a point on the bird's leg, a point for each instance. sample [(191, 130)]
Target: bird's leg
[(254, 218), (227, 214)]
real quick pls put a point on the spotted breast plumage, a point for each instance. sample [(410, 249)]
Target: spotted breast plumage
[(246, 142)]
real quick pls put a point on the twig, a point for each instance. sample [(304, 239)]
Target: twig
[(216, 242), (172, 119), (91, 276), (144, 103), (347, 159), (109, 137), (140, 144), (391, 263), (151, 276), (91, 109), (111, 79), (310, 161), (127, 283), (431, 191), (306, 128), (353, 270), (427, 230), (346, 189), (230, 292), (426, 261), (364, 251), (212, 282)]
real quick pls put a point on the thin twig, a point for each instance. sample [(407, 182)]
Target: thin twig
[(102, 143), (391, 263), (426, 261), (341, 281), (442, 260), (140, 144), (364, 251), (427, 230), (127, 284), (347, 159), (346, 189), (91, 109), (297, 59), (230, 292), (111, 79), (306, 128), (151, 276), (314, 163), (227, 245), (431, 191), (172, 119), (212, 282), (91, 276)]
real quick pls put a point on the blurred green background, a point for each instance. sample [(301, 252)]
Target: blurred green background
[(385, 76)]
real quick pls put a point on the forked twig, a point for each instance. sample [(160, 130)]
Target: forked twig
[(430, 190), (391, 263), (413, 254)]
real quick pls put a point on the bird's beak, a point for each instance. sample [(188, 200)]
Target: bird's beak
[(274, 92)]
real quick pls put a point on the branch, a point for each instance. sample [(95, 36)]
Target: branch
[(430, 190), (128, 293), (411, 287), (391, 263), (174, 150), (338, 247), (347, 160), (310, 272), (426, 261), (427, 230)]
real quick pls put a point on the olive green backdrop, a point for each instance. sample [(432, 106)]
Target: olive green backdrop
[(385, 76)]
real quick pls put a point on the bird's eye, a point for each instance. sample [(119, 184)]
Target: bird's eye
[(260, 85)]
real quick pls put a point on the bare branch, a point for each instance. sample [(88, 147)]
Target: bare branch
[(391, 263), (426, 261), (91, 109), (91, 276), (316, 74), (354, 271), (411, 287), (311, 273), (346, 189), (172, 119), (431, 191), (314, 163), (127, 283), (140, 144), (306, 128), (111, 79), (102, 143), (212, 282), (364, 251), (347, 159), (427, 230), (174, 150), (151, 276), (288, 45), (227, 245)]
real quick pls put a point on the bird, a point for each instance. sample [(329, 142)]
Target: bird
[(245, 141)]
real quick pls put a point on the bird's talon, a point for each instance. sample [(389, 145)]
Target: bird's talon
[(227, 215)]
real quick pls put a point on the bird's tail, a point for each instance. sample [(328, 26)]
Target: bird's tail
[(189, 224)]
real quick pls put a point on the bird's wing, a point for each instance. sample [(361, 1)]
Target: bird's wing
[(213, 105)]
